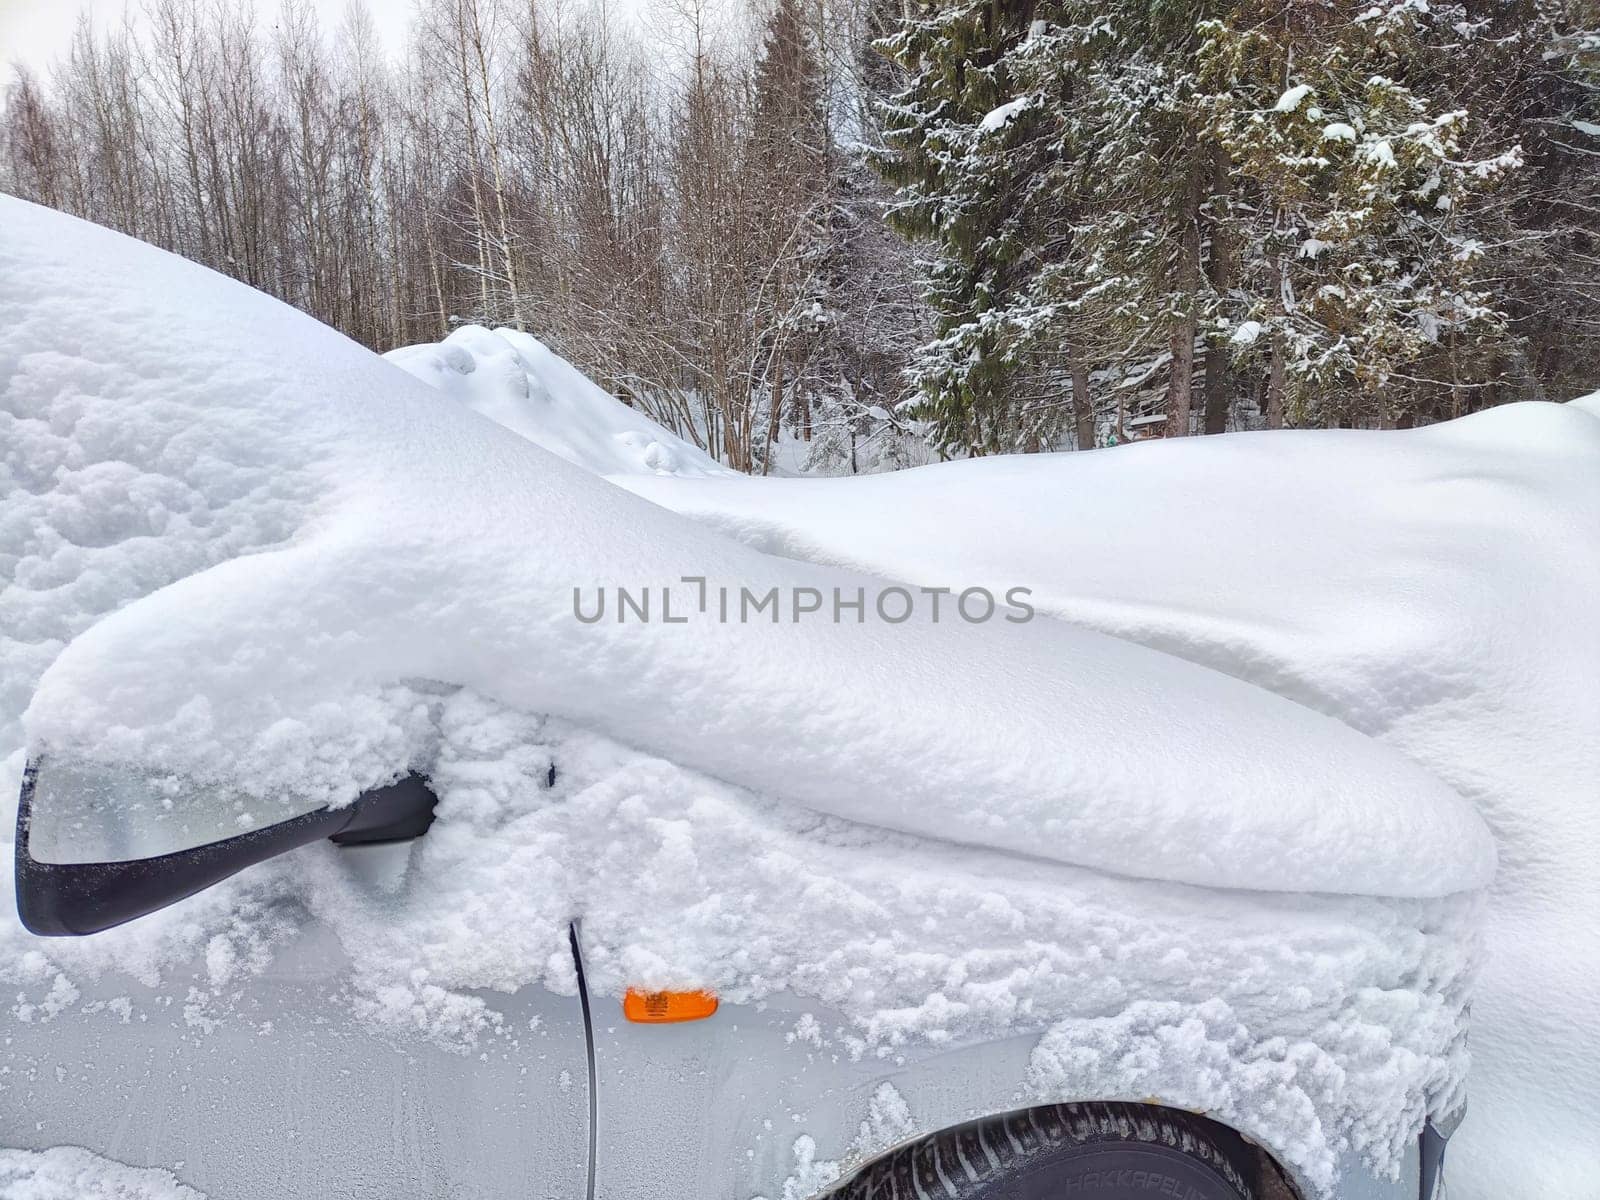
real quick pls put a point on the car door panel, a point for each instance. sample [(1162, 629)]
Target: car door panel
[(283, 1091)]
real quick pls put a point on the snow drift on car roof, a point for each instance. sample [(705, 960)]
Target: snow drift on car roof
[(291, 526)]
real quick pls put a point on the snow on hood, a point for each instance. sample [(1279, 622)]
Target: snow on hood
[(326, 530), (1433, 588), (517, 381)]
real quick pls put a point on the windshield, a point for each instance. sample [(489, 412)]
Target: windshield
[(89, 813)]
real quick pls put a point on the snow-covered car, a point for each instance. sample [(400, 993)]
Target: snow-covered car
[(284, 1086), (636, 896), (288, 1089)]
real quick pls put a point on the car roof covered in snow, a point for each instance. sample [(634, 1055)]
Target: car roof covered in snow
[(245, 530)]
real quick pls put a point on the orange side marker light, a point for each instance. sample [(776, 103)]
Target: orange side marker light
[(663, 1008)]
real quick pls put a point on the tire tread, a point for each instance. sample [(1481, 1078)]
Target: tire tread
[(958, 1164)]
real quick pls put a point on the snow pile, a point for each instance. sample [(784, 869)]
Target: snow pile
[(70, 1173), (279, 563), (516, 381), (1432, 588), (421, 543)]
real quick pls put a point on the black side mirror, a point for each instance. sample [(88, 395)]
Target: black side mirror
[(56, 898)]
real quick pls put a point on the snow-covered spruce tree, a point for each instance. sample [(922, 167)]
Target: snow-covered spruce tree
[(966, 150), (1299, 189), (1144, 171), (1532, 71), (1057, 160), (1359, 258)]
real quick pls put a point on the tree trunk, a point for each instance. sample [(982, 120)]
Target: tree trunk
[(1275, 385), (1458, 394), (1082, 403), (1216, 415), (1180, 384), (1218, 385), (775, 416)]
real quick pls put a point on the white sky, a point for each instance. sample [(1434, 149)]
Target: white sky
[(36, 32)]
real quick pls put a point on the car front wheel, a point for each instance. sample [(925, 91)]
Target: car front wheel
[(1104, 1151)]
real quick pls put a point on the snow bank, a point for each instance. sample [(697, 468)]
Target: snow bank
[(402, 540), (1434, 589), (516, 381)]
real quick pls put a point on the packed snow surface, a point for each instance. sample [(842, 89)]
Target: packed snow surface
[(516, 381), (1433, 588), (236, 547)]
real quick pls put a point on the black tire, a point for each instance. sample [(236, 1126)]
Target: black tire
[(1066, 1152)]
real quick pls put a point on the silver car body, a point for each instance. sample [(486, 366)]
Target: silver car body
[(281, 1089)]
